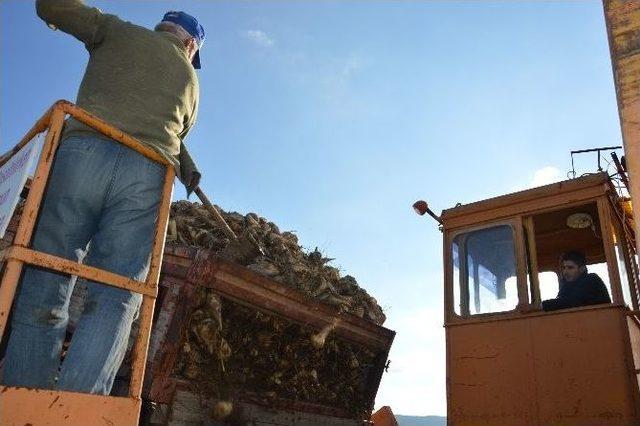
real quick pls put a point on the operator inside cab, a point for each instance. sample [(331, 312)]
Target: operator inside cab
[(577, 287)]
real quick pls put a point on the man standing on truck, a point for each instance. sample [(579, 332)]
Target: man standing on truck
[(103, 198)]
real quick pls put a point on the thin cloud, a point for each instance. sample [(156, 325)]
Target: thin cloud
[(352, 65), (258, 37), (336, 77), (545, 176), (540, 177)]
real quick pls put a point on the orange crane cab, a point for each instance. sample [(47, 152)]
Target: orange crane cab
[(509, 362)]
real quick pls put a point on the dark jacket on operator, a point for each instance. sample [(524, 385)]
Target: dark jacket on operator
[(588, 289)]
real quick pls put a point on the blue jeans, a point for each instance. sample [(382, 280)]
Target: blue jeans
[(101, 204)]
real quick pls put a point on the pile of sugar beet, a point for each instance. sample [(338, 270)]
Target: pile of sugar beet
[(230, 350)]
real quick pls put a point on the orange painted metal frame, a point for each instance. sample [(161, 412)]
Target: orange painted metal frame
[(19, 406)]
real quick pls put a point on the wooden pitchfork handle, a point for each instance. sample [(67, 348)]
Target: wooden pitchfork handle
[(216, 214)]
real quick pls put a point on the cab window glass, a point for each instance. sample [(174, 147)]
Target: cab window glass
[(456, 279), (602, 270), (548, 285), (484, 267)]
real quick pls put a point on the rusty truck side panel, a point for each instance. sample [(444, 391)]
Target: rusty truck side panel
[(502, 372), (186, 268)]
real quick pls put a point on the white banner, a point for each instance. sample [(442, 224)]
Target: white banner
[(13, 175)]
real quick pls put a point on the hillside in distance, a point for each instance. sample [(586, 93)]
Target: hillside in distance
[(421, 420)]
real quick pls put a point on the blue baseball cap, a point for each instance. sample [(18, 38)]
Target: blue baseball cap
[(190, 25)]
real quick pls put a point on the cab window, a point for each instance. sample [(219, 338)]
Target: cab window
[(575, 228), (484, 271)]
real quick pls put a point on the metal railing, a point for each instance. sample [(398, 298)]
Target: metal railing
[(20, 405)]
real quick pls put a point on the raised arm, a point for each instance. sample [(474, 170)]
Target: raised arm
[(74, 17)]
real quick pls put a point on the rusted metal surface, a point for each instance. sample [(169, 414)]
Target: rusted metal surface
[(569, 368), (164, 341), (246, 287), (249, 288), (623, 28), (141, 345), (169, 299), (174, 311), (23, 406), (185, 268), (620, 170)]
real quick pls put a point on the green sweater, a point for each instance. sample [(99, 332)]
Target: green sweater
[(137, 80)]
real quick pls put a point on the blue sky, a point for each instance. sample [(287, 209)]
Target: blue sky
[(332, 118)]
